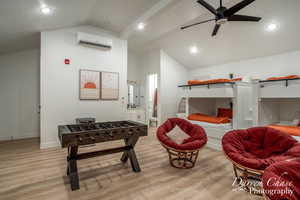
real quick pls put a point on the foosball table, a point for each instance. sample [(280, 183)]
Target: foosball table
[(76, 135)]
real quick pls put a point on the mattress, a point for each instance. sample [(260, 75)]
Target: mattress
[(286, 123), (212, 125), (214, 132), (291, 130), (297, 138)]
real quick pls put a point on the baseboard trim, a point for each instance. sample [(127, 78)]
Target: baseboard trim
[(20, 139), (15, 138), (47, 145), (215, 146)]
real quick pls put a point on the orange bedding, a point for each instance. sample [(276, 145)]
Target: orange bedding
[(283, 77), (199, 82), (209, 119), (291, 130)]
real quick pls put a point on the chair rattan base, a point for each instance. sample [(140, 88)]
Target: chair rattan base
[(247, 176), (182, 159)]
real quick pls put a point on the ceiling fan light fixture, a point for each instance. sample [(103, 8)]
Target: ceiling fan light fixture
[(194, 50), (221, 21), (141, 26), (46, 10), (272, 27)]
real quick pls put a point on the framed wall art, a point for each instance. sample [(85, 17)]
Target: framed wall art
[(109, 85), (89, 85)]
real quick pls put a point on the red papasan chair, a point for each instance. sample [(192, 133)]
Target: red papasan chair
[(184, 154), (281, 181), (251, 151)]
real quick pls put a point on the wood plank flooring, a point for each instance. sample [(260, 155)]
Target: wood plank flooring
[(26, 172)]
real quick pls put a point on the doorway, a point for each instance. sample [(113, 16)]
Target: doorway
[(152, 100)]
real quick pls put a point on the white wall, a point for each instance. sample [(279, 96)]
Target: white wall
[(277, 110), (133, 75), (172, 74), (133, 70), (258, 68), (149, 64), (202, 105), (19, 99), (290, 110), (60, 83), (208, 106)]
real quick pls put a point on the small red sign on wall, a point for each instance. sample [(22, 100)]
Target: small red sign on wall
[(67, 61)]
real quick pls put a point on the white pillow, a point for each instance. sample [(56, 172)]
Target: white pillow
[(296, 122), (177, 135)]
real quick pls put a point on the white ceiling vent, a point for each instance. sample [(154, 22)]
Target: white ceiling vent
[(94, 41)]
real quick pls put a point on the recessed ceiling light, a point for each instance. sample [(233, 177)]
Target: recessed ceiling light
[(194, 50), (272, 27), (46, 10), (141, 26)]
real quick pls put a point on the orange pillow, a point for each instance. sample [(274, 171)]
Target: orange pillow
[(209, 119), (225, 112)]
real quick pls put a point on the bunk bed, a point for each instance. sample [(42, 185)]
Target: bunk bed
[(216, 88), (214, 126), (204, 99), (280, 87), (277, 104)]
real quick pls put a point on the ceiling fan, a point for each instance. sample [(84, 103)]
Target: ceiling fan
[(222, 14)]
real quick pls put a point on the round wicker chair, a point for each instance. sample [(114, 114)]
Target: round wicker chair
[(281, 181), (182, 155), (251, 151)]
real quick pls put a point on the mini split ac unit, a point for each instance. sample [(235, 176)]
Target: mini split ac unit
[(94, 41)]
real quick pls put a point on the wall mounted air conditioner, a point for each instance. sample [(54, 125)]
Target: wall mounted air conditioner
[(94, 41)]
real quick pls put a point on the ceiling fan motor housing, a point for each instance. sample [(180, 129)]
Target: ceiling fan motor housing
[(220, 12), (221, 18)]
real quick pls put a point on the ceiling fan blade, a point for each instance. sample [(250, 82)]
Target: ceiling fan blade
[(244, 18), (208, 7), (188, 26), (216, 29), (237, 7)]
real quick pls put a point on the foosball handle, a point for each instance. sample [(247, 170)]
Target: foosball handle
[(130, 132), (92, 138)]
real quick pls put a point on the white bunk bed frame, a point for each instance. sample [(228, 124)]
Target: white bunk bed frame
[(273, 89), (289, 88), (239, 92), (285, 90)]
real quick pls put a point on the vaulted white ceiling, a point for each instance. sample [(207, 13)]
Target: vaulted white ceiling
[(235, 40), (21, 22)]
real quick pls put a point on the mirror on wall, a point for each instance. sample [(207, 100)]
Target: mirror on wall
[(133, 94)]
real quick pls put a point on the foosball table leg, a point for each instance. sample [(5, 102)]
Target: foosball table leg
[(130, 142), (124, 157), (133, 160), (72, 170), (73, 175)]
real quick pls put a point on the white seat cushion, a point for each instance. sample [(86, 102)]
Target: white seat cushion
[(177, 135)]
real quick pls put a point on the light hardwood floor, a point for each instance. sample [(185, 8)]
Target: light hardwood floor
[(26, 172)]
